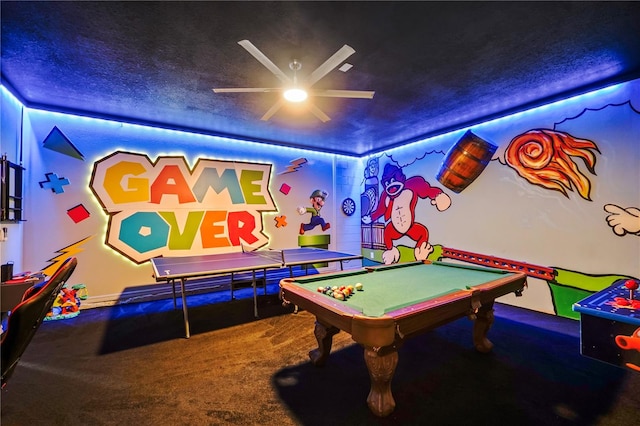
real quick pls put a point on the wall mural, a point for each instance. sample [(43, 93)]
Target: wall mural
[(551, 159), (165, 208), (59, 142), (580, 169), (63, 254), (545, 157), (160, 196), (623, 221), (55, 183), (316, 199), (397, 205)]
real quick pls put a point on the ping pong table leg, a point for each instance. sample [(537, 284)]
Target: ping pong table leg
[(255, 295), (264, 282), (295, 307), (173, 285), (184, 309), (231, 285)]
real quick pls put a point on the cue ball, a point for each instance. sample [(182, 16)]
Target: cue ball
[(359, 286)]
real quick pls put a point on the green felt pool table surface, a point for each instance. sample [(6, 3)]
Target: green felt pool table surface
[(389, 288)]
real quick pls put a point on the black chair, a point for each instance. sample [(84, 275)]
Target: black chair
[(26, 317)]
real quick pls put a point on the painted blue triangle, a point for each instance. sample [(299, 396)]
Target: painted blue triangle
[(57, 141)]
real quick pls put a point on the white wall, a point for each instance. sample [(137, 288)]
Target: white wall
[(50, 235), (502, 214), (348, 178)]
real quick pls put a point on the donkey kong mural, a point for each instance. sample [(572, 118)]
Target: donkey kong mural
[(397, 204)]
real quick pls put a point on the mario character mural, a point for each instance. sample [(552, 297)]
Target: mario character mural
[(397, 204), (317, 199)]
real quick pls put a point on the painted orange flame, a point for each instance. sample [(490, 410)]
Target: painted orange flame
[(543, 157)]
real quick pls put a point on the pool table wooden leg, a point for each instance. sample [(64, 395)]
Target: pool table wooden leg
[(324, 335), (381, 368), (481, 326)]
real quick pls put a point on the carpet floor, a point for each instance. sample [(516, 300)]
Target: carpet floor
[(131, 365)]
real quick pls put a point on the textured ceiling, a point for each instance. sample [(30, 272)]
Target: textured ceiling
[(434, 66)]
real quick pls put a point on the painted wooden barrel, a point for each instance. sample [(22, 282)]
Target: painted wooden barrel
[(465, 161)]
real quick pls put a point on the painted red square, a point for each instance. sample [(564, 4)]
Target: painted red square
[(284, 188), (78, 213)]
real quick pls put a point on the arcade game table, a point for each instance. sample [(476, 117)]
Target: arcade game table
[(610, 324), (395, 303)]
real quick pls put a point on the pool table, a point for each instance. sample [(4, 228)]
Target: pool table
[(397, 302)]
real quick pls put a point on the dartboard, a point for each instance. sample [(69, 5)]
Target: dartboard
[(348, 206)]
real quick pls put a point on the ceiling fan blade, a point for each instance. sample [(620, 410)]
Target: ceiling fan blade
[(359, 94), (248, 90), (272, 110), (343, 53), (249, 47), (318, 113)]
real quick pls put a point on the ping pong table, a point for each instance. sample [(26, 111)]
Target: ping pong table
[(183, 268)]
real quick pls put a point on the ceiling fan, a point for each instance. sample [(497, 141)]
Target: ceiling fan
[(298, 91)]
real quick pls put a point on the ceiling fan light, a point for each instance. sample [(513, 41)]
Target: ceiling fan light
[(295, 95)]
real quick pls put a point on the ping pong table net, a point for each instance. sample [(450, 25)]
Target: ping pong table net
[(269, 253)]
